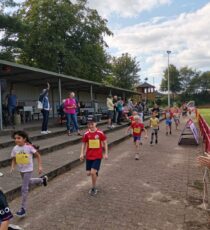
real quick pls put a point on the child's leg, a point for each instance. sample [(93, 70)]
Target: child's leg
[(156, 136), (137, 144), (25, 187), (93, 173), (152, 136), (37, 181)]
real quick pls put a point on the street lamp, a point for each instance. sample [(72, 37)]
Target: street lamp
[(169, 103)]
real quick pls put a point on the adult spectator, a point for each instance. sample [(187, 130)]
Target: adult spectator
[(119, 109), (43, 97), (139, 109), (70, 109), (156, 110), (110, 106), (115, 112), (11, 104)]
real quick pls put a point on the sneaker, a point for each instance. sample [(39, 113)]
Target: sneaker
[(49, 131), (170, 132), (45, 180), (137, 156), (112, 127), (109, 127), (156, 141), (93, 191), (14, 227), (96, 173), (44, 132), (21, 213)]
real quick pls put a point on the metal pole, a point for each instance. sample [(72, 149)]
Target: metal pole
[(1, 123), (59, 91), (91, 92), (169, 102)]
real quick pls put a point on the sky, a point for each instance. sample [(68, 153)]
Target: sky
[(146, 29)]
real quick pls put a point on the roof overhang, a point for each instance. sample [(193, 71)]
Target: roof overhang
[(18, 73)]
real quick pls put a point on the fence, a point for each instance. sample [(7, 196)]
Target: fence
[(205, 131)]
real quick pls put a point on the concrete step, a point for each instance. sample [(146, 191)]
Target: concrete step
[(56, 163), (51, 144), (6, 141)]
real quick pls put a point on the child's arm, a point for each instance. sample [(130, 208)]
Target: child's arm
[(106, 149), (13, 164), (128, 129), (37, 155), (83, 148), (150, 123), (4, 225)]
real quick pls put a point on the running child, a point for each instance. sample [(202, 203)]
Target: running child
[(22, 156), (154, 124), (168, 116), (93, 142), (137, 128), (131, 118), (176, 116)]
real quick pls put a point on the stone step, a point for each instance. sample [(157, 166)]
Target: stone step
[(56, 163), (51, 144), (6, 140)]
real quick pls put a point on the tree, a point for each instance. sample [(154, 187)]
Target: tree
[(125, 70), (186, 76), (175, 80), (54, 27)]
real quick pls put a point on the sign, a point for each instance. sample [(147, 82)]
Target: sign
[(189, 130)]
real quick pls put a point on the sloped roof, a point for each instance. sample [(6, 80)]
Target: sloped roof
[(145, 85)]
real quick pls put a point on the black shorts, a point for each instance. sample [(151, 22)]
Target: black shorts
[(110, 114), (5, 213), (93, 164)]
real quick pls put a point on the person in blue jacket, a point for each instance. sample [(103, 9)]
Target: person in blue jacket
[(43, 97)]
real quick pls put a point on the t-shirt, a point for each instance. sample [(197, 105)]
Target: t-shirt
[(5, 213), (137, 129), (24, 157), (154, 122), (94, 144), (68, 104), (168, 115), (131, 118)]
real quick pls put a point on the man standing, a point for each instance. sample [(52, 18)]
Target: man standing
[(11, 103), (43, 97), (110, 106)]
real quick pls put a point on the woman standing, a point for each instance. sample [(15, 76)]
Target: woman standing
[(70, 107)]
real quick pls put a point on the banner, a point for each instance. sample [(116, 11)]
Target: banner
[(190, 126)]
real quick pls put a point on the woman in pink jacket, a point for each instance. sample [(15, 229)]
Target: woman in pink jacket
[(70, 107)]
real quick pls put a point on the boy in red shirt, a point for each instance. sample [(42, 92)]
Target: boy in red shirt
[(137, 128), (93, 142)]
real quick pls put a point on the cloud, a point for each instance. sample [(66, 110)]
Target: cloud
[(186, 35), (125, 8)]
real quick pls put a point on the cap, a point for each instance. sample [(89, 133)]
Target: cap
[(91, 119)]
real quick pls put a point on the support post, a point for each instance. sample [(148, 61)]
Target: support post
[(59, 91), (1, 115), (91, 92)]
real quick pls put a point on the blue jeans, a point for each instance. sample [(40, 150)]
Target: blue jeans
[(73, 118), (45, 114)]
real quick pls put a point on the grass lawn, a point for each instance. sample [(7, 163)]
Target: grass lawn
[(206, 114)]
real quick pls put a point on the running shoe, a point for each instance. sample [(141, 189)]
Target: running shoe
[(156, 141), (14, 227), (93, 191), (21, 213), (45, 180)]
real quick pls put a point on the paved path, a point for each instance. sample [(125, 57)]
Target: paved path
[(160, 191)]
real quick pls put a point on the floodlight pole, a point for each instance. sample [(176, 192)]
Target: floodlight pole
[(169, 102)]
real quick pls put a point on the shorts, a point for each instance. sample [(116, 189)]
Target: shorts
[(93, 164), (5, 213), (176, 119), (155, 131), (168, 122), (136, 139), (110, 114)]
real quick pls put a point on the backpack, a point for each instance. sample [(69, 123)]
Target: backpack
[(39, 105)]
